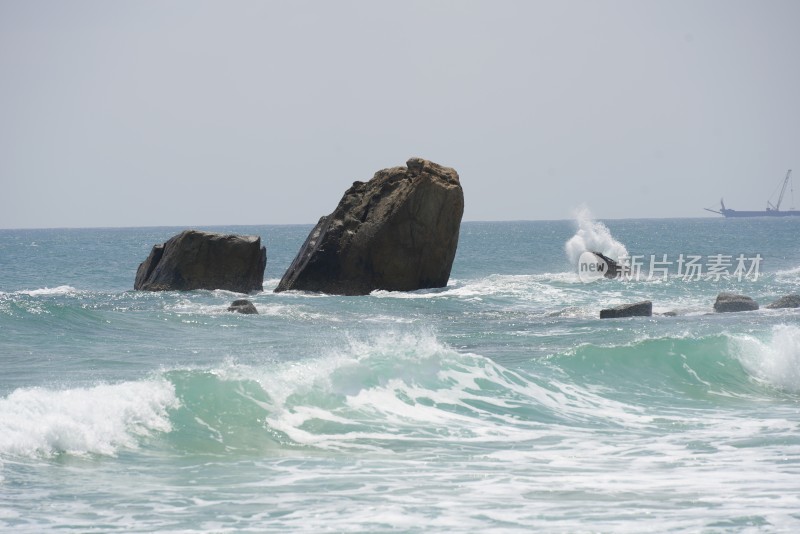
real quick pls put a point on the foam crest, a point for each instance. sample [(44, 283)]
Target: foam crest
[(397, 389), (542, 289), (98, 420), (50, 291), (776, 361), (788, 273), (592, 236), (351, 395)]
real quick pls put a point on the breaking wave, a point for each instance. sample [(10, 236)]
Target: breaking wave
[(592, 236), (775, 361), (397, 392), (98, 420)]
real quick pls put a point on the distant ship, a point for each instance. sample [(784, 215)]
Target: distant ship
[(771, 211)]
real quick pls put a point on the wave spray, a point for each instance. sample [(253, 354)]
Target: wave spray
[(592, 236)]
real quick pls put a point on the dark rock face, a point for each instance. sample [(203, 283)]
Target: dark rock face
[(788, 301), (613, 269), (204, 260), (243, 306), (639, 309), (397, 232), (731, 302)]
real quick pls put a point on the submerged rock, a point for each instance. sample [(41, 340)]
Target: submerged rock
[(397, 232), (204, 260), (243, 306), (787, 301), (638, 309), (731, 302)]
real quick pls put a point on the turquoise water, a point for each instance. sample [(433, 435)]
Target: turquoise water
[(499, 403)]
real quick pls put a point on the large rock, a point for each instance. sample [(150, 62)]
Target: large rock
[(787, 301), (639, 309), (204, 260), (731, 302), (397, 232)]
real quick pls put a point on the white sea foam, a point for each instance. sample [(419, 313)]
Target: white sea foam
[(190, 307), (789, 273), (285, 309), (270, 283), (543, 290), (97, 420), (592, 236), (400, 388), (776, 361), (49, 291), (294, 311)]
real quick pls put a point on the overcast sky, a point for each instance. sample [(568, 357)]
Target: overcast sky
[(188, 113)]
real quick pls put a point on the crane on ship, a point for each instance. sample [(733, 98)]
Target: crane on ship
[(773, 210), (777, 206)]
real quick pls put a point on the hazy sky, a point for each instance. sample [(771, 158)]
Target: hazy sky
[(189, 113)]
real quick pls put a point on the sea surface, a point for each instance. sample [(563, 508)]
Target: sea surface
[(499, 403)]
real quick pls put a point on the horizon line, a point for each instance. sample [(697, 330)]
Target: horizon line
[(312, 224)]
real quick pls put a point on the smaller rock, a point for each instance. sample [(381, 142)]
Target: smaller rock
[(670, 314), (731, 302), (204, 260), (613, 268), (639, 309), (787, 301), (242, 306)]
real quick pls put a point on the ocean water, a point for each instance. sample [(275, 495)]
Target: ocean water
[(500, 403)]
